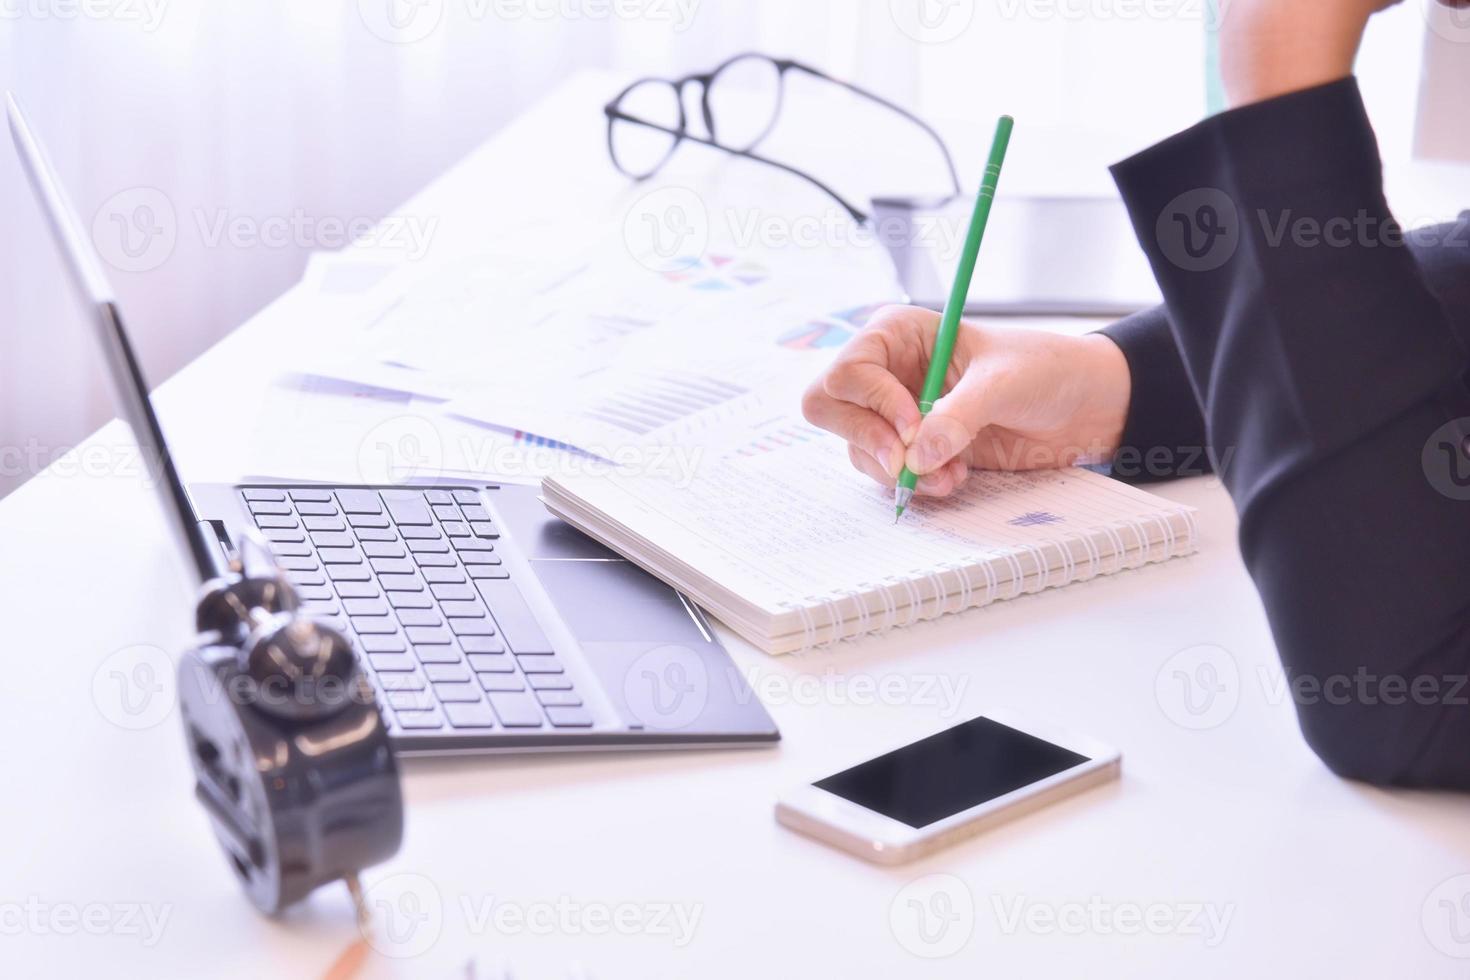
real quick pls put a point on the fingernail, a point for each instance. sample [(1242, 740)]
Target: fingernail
[(892, 460), (908, 432)]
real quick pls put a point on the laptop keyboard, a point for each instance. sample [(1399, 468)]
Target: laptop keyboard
[(414, 578)]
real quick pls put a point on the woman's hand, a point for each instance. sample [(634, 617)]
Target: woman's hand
[(1015, 399)]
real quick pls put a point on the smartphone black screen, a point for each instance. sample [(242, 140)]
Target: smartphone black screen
[(952, 771)]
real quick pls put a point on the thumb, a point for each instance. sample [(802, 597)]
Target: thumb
[(951, 425)]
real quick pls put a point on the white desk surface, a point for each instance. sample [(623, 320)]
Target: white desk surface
[(1225, 851)]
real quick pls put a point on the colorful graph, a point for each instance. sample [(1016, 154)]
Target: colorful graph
[(531, 439), (780, 438), (832, 330), (1035, 518), (716, 272), (659, 398)]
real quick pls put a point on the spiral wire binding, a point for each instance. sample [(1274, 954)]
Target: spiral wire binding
[(863, 621)]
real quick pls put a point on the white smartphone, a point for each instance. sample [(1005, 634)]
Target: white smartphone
[(930, 793)]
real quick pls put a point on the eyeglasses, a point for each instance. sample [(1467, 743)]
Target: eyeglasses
[(740, 101)]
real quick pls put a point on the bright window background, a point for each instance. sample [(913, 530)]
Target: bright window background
[(267, 108)]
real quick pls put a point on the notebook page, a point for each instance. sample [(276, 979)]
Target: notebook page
[(782, 519)]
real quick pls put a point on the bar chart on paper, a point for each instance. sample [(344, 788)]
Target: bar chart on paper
[(654, 399)]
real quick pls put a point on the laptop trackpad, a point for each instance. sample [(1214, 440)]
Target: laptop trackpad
[(616, 601)]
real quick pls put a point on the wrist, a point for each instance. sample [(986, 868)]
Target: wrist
[(1112, 392), (1272, 50)]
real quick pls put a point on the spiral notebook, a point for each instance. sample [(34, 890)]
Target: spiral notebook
[(765, 523)]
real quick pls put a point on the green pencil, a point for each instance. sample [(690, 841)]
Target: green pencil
[(949, 324)]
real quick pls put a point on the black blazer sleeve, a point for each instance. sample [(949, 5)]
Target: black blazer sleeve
[(1332, 383)]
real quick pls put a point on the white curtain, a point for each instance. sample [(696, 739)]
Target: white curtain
[(314, 109)]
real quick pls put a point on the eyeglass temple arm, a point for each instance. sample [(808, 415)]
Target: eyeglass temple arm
[(853, 212), (954, 178)]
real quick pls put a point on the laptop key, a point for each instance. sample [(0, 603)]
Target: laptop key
[(298, 564), (315, 593), (479, 558), (274, 522), (307, 578), (463, 610), (382, 643), (316, 510), (349, 573), (513, 616), (357, 590), (439, 673), (419, 700), (456, 529), (433, 560), (376, 534), (466, 496), (456, 691), (540, 665), (436, 576), (473, 544), (383, 549), (420, 533), (472, 627), (339, 556), (310, 495), (491, 663), (481, 644), (446, 512), (407, 507), (419, 635), (333, 539), (359, 501), (401, 583), (290, 549), (414, 720), (554, 699), (501, 682), (259, 493), (438, 497), (469, 715), (263, 507), (366, 607), (419, 617), (402, 682), (476, 512), (484, 529), (452, 591), (563, 716), (434, 653), (549, 682), (391, 662), (436, 546), (393, 566), (367, 625), (278, 535), (324, 523), (515, 710), (487, 572), (410, 600), (376, 521)]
